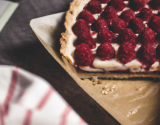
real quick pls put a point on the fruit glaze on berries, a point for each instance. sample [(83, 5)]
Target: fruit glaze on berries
[(116, 35)]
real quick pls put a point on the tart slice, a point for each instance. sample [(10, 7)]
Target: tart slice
[(113, 38)]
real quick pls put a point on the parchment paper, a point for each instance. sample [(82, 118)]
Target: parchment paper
[(130, 102)]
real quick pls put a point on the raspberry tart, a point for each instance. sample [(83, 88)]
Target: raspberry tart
[(113, 38)]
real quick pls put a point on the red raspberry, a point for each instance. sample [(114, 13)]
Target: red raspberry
[(147, 35), (83, 55), (87, 39), (105, 51), (127, 15), (119, 5), (94, 6), (127, 35), (154, 23), (137, 25), (155, 4), (80, 27), (104, 1), (146, 14), (118, 25), (126, 52), (87, 16), (137, 4), (101, 24), (147, 54), (105, 36), (109, 14)]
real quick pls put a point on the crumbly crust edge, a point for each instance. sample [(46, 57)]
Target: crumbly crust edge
[(70, 19)]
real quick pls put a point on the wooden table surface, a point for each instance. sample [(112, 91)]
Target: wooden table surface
[(20, 47)]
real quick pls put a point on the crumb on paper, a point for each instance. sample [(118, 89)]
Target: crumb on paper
[(108, 88), (113, 88), (104, 92), (94, 80), (131, 113)]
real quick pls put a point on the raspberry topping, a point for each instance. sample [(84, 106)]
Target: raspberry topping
[(147, 35), (109, 14), (83, 56), (126, 52), (137, 4), (145, 14), (105, 51), (87, 39), (127, 35), (137, 25), (101, 24), (118, 25), (80, 27), (119, 5), (108, 22), (87, 16), (104, 1), (127, 15), (105, 36), (147, 54), (94, 6), (154, 23)]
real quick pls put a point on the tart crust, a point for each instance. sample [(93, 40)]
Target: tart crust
[(75, 8)]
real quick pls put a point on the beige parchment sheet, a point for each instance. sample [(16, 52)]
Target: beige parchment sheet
[(130, 102)]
